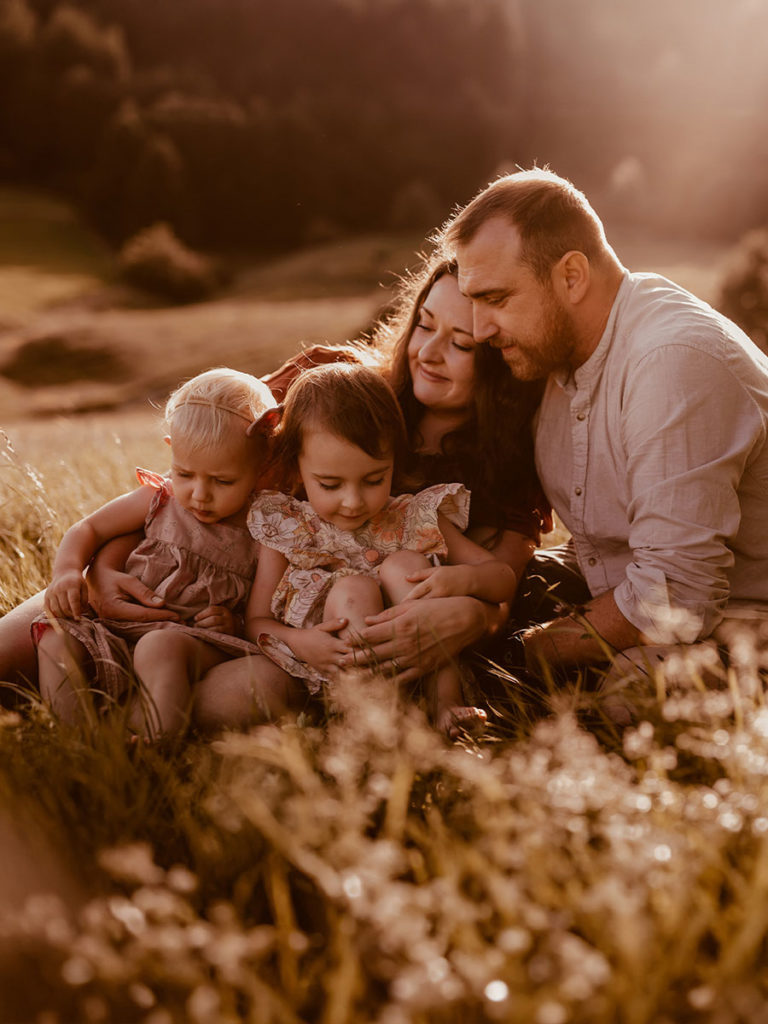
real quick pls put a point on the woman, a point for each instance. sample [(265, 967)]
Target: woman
[(468, 420)]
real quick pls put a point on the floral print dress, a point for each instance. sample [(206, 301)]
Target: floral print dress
[(320, 553)]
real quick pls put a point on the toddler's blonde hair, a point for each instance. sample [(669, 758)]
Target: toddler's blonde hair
[(201, 409)]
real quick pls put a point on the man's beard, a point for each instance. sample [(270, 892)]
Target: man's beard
[(554, 351)]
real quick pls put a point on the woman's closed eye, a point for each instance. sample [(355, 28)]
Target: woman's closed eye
[(462, 346)]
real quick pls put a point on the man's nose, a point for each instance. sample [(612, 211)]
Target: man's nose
[(483, 325)]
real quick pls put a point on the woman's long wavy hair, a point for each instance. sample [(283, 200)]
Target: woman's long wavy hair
[(494, 446)]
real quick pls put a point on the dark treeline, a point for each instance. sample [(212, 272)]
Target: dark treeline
[(251, 122), (266, 123)]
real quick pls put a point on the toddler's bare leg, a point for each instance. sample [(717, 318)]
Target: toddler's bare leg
[(352, 598), (244, 691), (63, 684), (167, 664), (18, 657)]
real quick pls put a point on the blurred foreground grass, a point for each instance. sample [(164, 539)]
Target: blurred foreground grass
[(365, 871)]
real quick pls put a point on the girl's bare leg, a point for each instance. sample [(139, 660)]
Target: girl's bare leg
[(18, 656), (352, 598), (244, 691), (443, 689), (449, 714), (63, 683), (167, 665)]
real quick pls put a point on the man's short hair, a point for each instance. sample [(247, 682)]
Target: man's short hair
[(551, 215)]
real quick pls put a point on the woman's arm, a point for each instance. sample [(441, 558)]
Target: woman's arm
[(67, 593), (516, 549), (417, 637), (115, 594), (317, 646)]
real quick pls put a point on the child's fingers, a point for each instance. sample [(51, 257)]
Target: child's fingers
[(420, 574)]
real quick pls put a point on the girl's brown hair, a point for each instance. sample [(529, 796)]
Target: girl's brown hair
[(493, 448), (352, 401)]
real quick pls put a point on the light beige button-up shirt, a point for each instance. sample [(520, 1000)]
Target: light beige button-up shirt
[(654, 453)]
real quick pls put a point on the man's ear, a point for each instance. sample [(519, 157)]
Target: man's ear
[(571, 276), (167, 439)]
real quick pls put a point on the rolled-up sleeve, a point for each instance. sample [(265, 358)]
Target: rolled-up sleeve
[(688, 429)]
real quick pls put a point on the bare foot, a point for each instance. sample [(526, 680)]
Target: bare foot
[(457, 719)]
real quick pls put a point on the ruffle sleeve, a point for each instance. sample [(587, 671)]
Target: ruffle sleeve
[(281, 522), (161, 485), (414, 517)]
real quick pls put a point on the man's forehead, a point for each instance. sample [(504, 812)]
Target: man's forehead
[(489, 257)]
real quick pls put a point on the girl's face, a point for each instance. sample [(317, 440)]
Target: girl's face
[(216, 482), (344, 485), (441, 351)]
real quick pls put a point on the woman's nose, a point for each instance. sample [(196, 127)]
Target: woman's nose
[(432, 349)]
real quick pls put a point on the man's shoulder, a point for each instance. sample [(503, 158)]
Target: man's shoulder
[(657, 313)]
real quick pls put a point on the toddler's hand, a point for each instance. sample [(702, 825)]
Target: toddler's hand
[(67, 595), (218, 617), (442, 581), (320, 647)]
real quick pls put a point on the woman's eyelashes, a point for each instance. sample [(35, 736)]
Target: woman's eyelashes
[(457, 342)]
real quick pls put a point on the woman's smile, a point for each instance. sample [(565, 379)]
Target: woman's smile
[(441, 351)]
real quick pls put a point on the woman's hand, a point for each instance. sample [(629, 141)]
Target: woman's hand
[(118, 595), (218, 617), (67, 595), (440, 581), (320, 647), (416, 637)]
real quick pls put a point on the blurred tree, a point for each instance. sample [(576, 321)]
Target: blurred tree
[(744, 286)]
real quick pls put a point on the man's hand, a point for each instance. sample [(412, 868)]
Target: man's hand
[(320, 647), (218, 617), (416, 637), (121, 596), (67, 595)]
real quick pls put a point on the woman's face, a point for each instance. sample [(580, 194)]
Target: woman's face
[(441, 351)]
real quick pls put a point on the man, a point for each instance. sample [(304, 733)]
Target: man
[(652, 437)]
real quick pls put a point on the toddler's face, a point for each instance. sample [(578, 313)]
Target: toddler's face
[(344, 485), (216, 482)]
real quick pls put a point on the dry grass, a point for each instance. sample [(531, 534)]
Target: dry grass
[(365, 871)]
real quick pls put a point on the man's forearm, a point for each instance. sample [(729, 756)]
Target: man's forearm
[(585, 639)]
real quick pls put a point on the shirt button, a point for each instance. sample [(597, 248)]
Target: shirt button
[(577, 490), (581, 415), (592, 561)]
